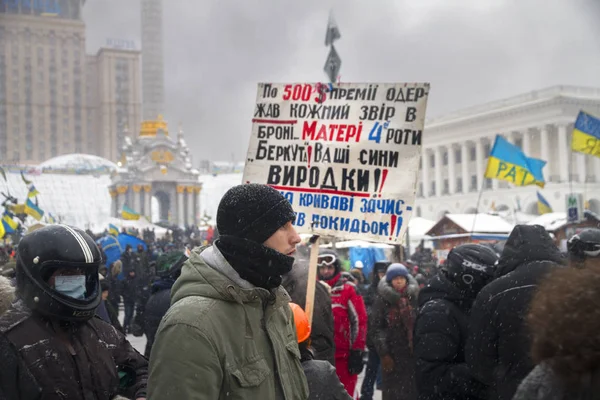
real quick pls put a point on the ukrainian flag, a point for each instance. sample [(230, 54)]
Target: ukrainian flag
[(2, 232), (128, 213), (32, 191), (543, 206), (586, 135), (113, 230), (508, 163), (51, 219), (33, 210), (9, 225)]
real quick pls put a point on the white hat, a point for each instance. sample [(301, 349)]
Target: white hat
[(359, 264)]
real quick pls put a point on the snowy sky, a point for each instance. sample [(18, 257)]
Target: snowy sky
[(472, 51)]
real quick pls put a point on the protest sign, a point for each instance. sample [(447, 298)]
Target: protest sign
[(345, 155)]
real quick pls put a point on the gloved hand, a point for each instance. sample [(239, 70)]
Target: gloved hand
[(355, 362)]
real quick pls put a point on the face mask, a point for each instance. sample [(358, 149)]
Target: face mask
[(71, 285)]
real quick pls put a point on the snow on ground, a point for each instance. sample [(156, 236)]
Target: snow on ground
[(77, 199)]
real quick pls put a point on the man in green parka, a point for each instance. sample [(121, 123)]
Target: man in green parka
[(229, 333)]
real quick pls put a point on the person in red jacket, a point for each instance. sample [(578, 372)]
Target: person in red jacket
[(349, 318)]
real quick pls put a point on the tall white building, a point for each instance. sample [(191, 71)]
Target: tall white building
[(456, 146), (153, 79)]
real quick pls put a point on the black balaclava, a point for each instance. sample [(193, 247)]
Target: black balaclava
[(247, 216)]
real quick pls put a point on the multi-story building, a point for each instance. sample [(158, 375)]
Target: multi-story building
[(456, 147), (54, 99), (152, 63), (114, 98)]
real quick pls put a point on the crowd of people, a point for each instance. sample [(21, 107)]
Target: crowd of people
[(228, 320)]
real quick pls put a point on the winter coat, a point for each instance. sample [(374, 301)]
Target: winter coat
[(129, 289), (440, 336), (412, 292), (323, 382), (157, 306), (114, 317), (543, 384), (16, 382), (391, 328), (498, 347), (224, 338), (322, 328), (349, 317), (64, 372)]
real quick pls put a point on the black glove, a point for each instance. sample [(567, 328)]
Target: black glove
[(355, 362)]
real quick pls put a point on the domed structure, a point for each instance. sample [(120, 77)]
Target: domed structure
[(78, 163), (154, 164)]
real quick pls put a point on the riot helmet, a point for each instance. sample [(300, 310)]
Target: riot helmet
[(470, 267), (584, 245), (57, 273)]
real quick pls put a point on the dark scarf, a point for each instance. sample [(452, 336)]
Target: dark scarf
[(255, 263)]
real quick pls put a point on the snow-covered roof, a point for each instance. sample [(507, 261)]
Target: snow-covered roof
[(484, 223), (419, 227), (78, 163), (551, 221)]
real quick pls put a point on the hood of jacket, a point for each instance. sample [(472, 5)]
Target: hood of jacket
[(439, 287), (208, 274), (526, 244), (7, 294), (391, 295)]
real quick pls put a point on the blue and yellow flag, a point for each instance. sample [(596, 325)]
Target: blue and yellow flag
[(33, 210), (113, 230), (543, 206), (51, 219), (128, 213), (9, 225), (32, 191), (586, 135), (507, 162)]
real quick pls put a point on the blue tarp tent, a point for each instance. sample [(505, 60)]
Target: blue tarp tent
[(113, 247), (368, 256)]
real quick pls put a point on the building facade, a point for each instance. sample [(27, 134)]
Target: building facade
[(157, 165), (55, 99), (114, 98), (456, 147), (153, 76)]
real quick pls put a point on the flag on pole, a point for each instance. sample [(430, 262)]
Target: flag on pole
[(113, 230), (32, 191), (3, 173), (586, 135), (543, 206), (33, 210), (129, 214), (333, 32), (25, 181), (507, 162)]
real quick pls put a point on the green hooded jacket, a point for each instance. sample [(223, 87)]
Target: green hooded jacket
[(224, 338)]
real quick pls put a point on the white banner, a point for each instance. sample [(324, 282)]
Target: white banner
[(345, 155)]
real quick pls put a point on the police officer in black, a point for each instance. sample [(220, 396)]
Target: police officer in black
[(70, 353)]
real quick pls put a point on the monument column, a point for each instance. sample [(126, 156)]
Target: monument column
[(190, 218), (180, 210), (147, 203), (136, 199), (114, 206), (121, 192), (197, 191)]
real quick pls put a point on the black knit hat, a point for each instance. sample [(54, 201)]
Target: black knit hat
[(253, 211)]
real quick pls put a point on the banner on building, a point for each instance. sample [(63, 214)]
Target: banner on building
[(345, 155)]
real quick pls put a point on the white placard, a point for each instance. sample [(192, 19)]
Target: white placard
[(346, 155)]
